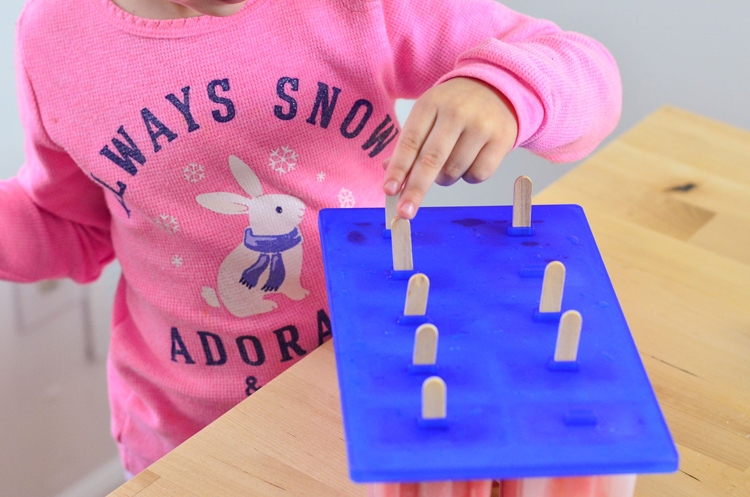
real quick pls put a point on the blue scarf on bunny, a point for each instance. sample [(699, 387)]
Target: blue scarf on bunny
[(270, 248)]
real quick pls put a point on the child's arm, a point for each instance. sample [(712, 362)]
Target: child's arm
[(556, 93), (53, 219)]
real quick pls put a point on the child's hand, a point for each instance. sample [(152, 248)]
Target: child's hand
[(462, 128)]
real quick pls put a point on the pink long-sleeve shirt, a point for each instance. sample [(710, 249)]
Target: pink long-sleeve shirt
[(199, 151)]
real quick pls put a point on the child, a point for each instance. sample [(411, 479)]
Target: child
[(198, 150)]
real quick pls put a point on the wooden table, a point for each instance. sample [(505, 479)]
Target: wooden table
[(669, 204)]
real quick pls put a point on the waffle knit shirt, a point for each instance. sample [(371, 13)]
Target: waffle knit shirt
[(199, 151)]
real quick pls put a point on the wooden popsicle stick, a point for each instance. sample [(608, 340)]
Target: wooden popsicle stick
[(425, 345), (391, 201), (568, 336), (552, 287), (522, 202), (433, 398), (416, 295), (401, 245)]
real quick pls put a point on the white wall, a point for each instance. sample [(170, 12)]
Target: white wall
[(11, 150)]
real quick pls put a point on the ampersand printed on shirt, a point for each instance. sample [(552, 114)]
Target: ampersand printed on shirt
[(252, 385)]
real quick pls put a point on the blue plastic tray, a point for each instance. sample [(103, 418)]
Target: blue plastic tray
[(508, 414)]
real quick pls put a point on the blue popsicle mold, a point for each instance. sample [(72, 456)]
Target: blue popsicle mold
[(510, 413)]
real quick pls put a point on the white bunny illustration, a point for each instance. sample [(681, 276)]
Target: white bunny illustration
[(269, 259)]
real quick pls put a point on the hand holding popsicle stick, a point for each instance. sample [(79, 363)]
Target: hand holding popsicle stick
[(461, 128)]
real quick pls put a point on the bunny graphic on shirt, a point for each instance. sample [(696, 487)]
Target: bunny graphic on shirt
[(269, 259)]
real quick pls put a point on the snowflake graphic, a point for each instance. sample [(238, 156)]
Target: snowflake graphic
[(167, 223), (194, 172), (346, 198), (283, 160), (177, 261), (321, 176)]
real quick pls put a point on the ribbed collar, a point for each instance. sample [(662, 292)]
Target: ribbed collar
[(171, 28)]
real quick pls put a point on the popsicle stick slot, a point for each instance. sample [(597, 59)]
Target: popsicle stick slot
[(434, 394), (522, 202), (552, 287), (416, 295), (391, 201), (568, 336), (425, 345), (580, 417), (401, 245)]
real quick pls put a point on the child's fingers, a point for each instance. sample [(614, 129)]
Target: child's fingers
[(486, 162), (435, 151), (413, 135), (463, 155)]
